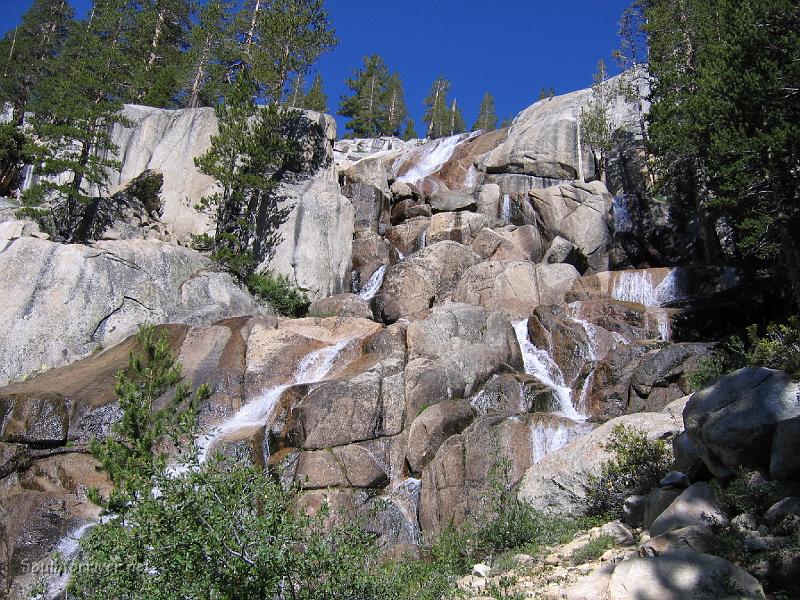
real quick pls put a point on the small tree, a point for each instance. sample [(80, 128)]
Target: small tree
[(438, 117), (595, 121), (316, 99), (366, 107), (394, 110), (410, 132), (205, 63), (487, 116), (457, 124)]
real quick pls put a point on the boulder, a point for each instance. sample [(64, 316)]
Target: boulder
[(461, 227), (516, 243), (341, 305), (679, 575), (580, 214), (15, 229), (516, 287), (70, 300), (419, 282), (432, 427), (401, 190), (560, 482), (694, 537), (782, 509), (564, 251), (489, 203), (658, 500), (660, 378), (371, 206), (409, 236), (732, 422), (450, 201), (784, 460), (697, 505), (409, 209), (347, 466)]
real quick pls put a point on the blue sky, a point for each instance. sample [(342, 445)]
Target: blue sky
[(511, 48)]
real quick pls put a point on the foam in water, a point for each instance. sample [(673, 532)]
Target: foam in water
[(256, 413), (541, 365), (546, 439), (422, 241), (432, 157), (374, 284), (637, 286), (505, 212)]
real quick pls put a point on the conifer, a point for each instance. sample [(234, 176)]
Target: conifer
[(316, 99), (395, 111), (365, 108), (210, 52), (410, 132), (457, 124), (487, 116), (438, 117), (28, 52)]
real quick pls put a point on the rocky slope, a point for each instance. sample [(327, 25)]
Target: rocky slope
[(464, 311)]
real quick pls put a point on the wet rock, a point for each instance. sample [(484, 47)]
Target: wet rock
[(40, 419), (732, 421), (409, 209), (409, 236), (370, 204), (341, 305), (661, 377)]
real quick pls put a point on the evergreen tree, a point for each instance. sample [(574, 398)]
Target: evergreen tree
[(410, 132), (457, 124), (295, 99), (211, 49), (487, 116), (283, 38), (75, 110), (316, 99), (27, 53), (507, 122), (160, 33), (438, 117), (595, 120), (394, 109), (678, 34), (365, 108), (546, 93)]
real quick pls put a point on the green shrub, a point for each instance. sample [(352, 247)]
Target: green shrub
[(592, 550), (749, 492), (778, 348), (638, 465), (279, 292)]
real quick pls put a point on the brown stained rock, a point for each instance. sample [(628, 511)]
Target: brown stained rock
[(341, 305), (461, 227), (346, 466), (432, 427), (407, 236)]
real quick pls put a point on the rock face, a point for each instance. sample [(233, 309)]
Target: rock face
[(733, 421), (560, 481), (71, 299)]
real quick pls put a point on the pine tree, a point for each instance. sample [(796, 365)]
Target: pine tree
[(160, 32), (365, 108), (437, 115), (395, 111), (410, 132), (457, 124), (28, 52), (75, 110), (210, 52), (283, 38), (295, 99), (487, 116), (595, 120), (316, 99)]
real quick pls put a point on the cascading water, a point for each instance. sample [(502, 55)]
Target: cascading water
[(422, 241), (374, 284), (256, 413), (429, 158), (505, 211), (542, 366), (622, 217), (68, 550), (637, 286), (591, 335), (547, 438)]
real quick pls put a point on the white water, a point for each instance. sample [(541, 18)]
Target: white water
[(637, 286), (422, 242), (542, 366), (505, 211), (548, 438), (431, 157), (68, 549), (374, 284), (622, 217), (256, 413)]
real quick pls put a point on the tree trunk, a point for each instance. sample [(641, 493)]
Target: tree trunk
[(156, 38), (198, 76), (698, 190), (791, 256), (252, 30)]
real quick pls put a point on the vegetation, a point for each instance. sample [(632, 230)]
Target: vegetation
[(439, 111), (778, 348), (377, 106), (279, 292), (593, 550), (595, 121), (487, 115), (638, 464), (12, 153)]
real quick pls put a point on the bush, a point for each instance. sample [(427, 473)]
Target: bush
[(637, 466), (778, 348), (592, 550), (749, 492), (279, 292)]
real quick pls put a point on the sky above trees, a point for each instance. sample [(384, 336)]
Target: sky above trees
[(511, 48)]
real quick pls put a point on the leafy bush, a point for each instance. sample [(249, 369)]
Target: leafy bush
[(279, 292), (592, 550), (12, 147), (749, 492), (637, 466), (778, 348)]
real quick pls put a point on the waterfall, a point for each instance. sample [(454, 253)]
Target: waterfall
[(547, 438), (542, 366), (505, 211), (256, 413), (422, 241), (68, 549), (429, 158), (374, 284), (622, 217), (637, 286)]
